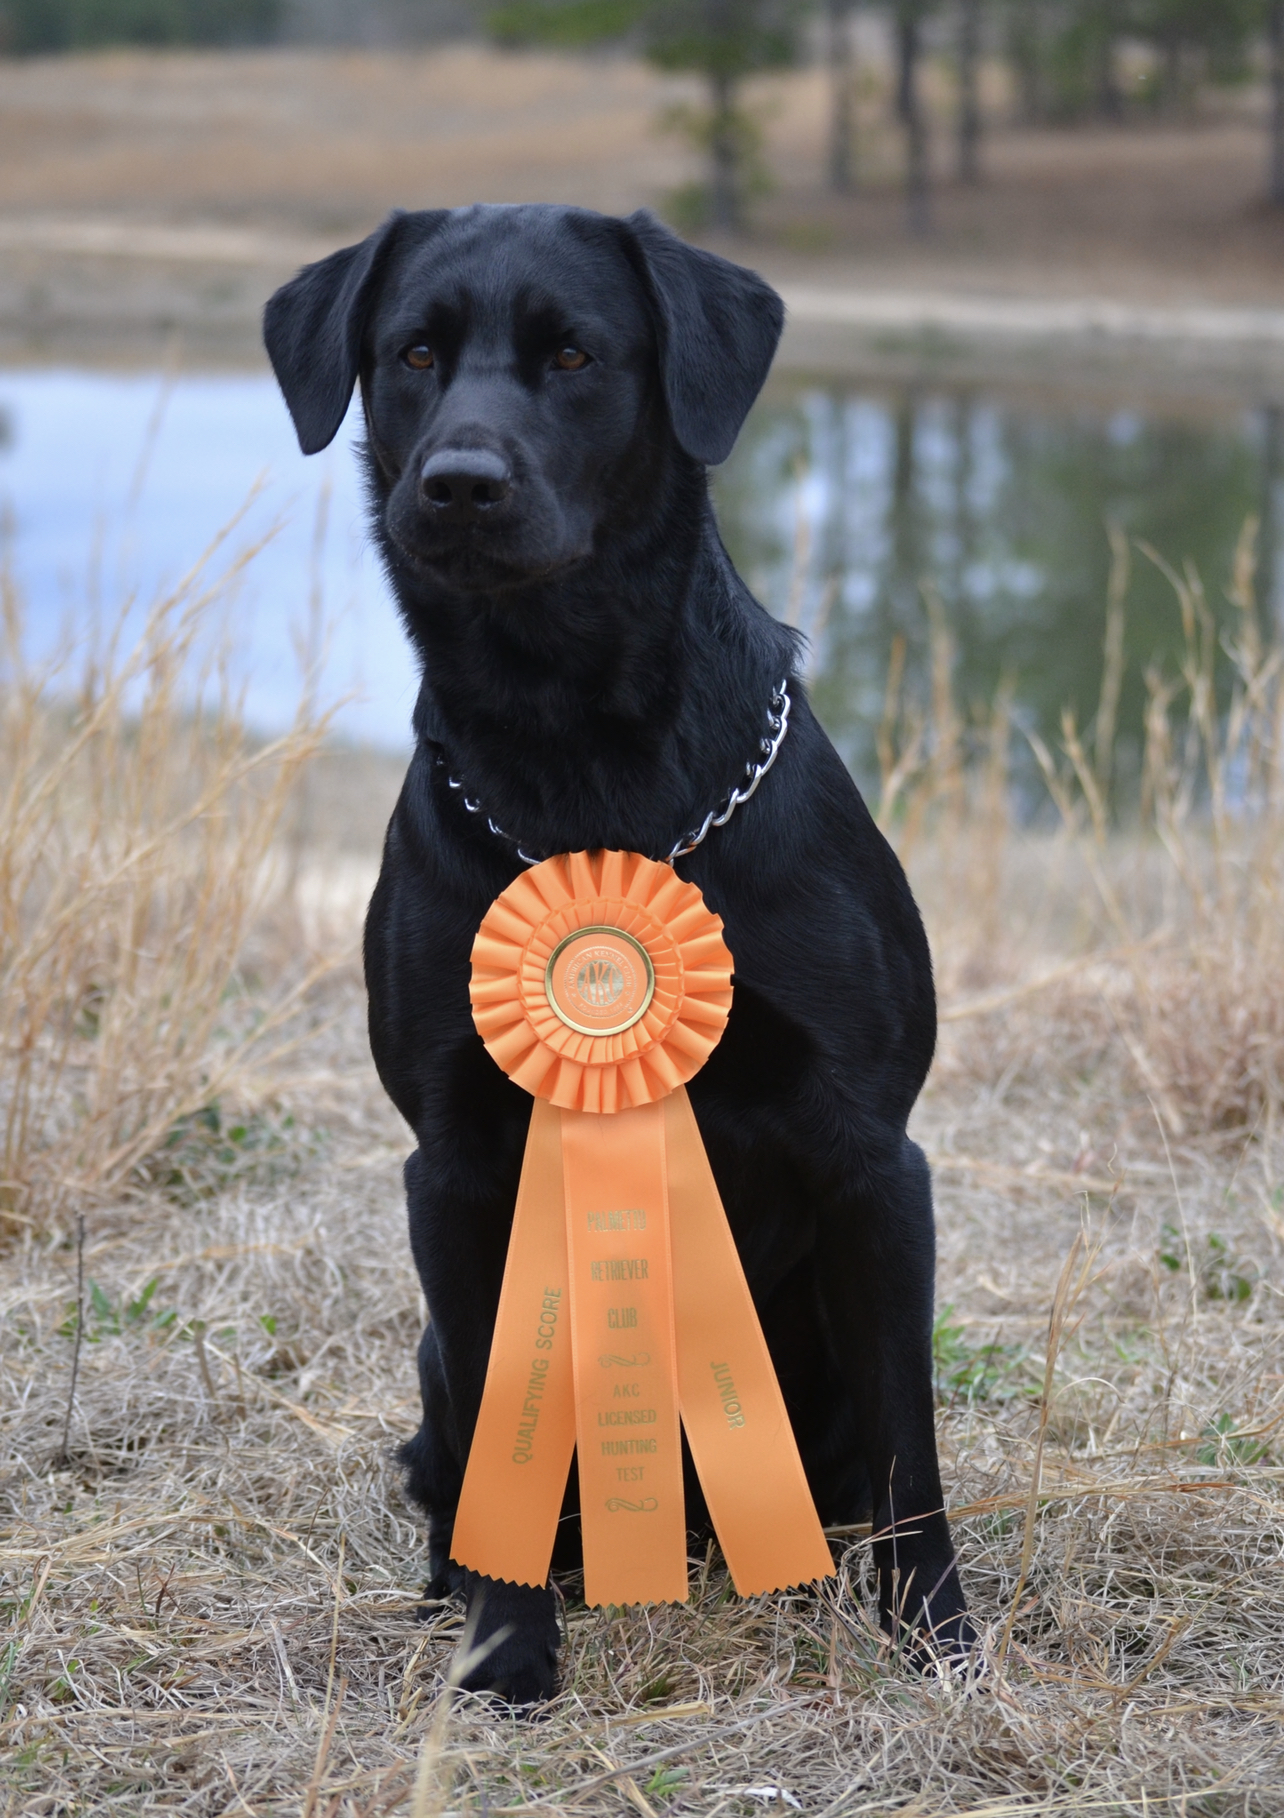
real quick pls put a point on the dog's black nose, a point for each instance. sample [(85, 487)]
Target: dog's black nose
[(464, 481)]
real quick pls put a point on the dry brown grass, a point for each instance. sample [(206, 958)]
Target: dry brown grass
[(1164, 941), (327, 141), (210, 1603), (137, 848)]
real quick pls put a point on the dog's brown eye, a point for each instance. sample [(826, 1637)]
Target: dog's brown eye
[(419, 357), (570, 359)]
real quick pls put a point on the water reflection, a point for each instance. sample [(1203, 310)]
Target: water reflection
[(840, 503), (111, 486)]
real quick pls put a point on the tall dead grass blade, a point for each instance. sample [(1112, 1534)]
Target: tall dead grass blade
[(323, 1749), (1112, 664), (1075, 1274), (432, 1782), (62, 1453), (331, 1709)]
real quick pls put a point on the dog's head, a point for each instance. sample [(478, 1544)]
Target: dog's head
[(516, 366)]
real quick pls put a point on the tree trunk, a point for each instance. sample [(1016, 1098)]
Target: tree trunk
[(1025, 53), (1277, 103), (842, 76), (1109, 99), (968, 91), (969, 95), (724, 155), (1173, 67), (909, 105)]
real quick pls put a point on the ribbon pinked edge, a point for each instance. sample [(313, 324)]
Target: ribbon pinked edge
[(601, 983)]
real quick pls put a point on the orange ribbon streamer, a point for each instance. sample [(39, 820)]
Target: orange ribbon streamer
[(602, 983)]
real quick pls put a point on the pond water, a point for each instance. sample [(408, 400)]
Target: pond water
[(840, 501)]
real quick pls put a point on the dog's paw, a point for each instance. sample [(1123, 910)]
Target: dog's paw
[(511, 1641), (519, 1673), (946, 1648), (449, 1581)]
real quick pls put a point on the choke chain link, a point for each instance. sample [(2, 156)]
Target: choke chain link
[(768, 751)]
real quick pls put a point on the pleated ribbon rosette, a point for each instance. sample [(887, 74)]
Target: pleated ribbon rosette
[(601, 983)]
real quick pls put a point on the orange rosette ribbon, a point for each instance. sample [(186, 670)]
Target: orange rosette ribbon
[(601, 983)]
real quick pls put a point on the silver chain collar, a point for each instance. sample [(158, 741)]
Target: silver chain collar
[(768, 749)]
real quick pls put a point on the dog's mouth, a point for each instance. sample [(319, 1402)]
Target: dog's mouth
[(479, 558), (474, 567)]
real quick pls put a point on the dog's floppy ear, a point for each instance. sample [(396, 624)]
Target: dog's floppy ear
[(719, 325), (312, 328)]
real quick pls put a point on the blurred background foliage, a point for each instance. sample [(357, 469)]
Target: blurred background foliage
[(1066, 53), (1071, 59), (35, 26), (1067, 60)]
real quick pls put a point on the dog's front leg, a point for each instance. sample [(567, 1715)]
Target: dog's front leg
[(512, 1629), (876, 1266)]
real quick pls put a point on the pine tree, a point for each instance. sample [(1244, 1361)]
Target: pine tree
[(724, 41)]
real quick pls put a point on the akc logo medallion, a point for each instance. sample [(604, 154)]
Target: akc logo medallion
[(599, 981)]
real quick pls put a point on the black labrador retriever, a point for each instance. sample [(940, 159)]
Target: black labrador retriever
[(544, 389)]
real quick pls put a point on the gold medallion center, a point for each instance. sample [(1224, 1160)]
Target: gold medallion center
[(599, 981)]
